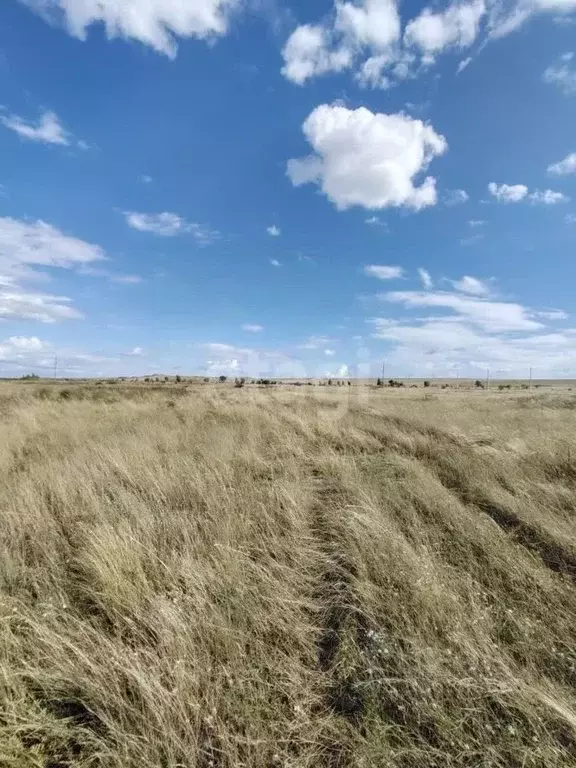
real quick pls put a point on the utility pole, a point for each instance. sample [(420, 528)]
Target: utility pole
[(487, 378), (530, 384), (55, 366), (383, 370)]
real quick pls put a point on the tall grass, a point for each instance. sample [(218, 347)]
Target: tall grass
[(255, 578)]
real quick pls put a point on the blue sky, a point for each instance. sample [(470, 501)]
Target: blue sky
[(288, 188)]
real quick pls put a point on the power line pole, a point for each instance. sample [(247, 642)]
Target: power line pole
[(487, 378), (55, 366), (530, 384), (383, 370)]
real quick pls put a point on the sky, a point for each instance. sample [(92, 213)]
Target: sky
[(288, 188)]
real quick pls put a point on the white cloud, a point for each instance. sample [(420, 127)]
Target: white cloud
[(354, 29), (508, 193), (516, 193), (307, 54), (374, 221), (455, 27), (504, 20), (570, 218), (548, 197), (368, 159), (383, 272), (252, 327), (456, 197), (145, 179), (444, 346), (125, 279), (506, 337), (152, 22), (48, 130), (488, 315), (562, 75), (23, 243), (374, 23), (31, 343), (273, 231), (275, 262), (475, 223), (165, 224), (26, 245), (18, 303), (565, 166), (136, 352), (552, 314), (425, 278), (316, 342), (471, 285), (169, 225), (463, 64), (329, 352)]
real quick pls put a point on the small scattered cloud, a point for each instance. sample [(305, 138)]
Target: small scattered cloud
[(126, 279), (383, 272), (476, 223), (367, 159), (562, 75), (425, 278), (548, 197), (275, 262), (329, 352), (516, 193), (274, 231), (564, 167), (508, 193), (472, 239), (145, 179), (471, 285), (552, 314), (48, 130), (252, 328), (169, 225), (136, 352), (570, 218), (375, 221), (463, 65), (316, 342), (456, 197)]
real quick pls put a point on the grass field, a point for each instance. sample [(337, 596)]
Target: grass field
[(209, 577)]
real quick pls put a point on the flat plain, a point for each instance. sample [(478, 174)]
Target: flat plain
[(204, 576)]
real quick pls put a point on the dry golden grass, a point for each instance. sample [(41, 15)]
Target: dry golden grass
[(315, 579)]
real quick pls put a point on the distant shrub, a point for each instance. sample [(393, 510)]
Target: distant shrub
[(379, 383), (222, 379), (329, 382), (30, 377), (206, 380), (239, 383), (65, 394), (178, 379), (426, 383), (147, 380), (479, 384)]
